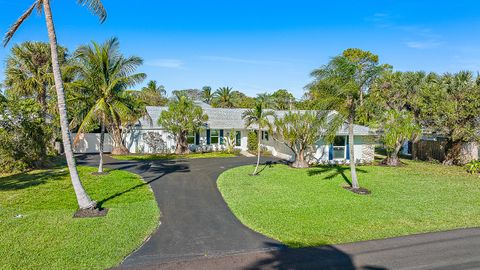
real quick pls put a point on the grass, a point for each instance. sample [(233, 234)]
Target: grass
[(46, 236), (309, 207), (174, 156)]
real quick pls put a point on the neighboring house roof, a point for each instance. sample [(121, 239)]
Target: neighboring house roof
[(223, 118)]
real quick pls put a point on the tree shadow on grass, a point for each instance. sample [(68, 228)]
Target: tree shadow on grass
[(30, 179), (330, 172), (323, 257)]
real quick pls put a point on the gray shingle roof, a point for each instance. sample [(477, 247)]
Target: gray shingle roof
[(223, 118)]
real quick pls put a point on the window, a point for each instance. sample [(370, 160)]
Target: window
[(265, 135), (339, 147), (238, 139), (191, 138), (214, 136)]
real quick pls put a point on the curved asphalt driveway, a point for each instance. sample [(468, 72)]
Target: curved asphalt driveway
[(195, 221)]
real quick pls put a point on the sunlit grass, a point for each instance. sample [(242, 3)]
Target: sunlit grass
[(38, 231), (309, 207)]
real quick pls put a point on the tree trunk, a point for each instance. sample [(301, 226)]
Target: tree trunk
[(118, 147), (84, 201), (259, 137), (300, 160), (392, 157), (102, 139), (182, 145), (453, 151), (353, 169)]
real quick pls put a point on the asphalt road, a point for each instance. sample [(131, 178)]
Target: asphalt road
[(198, 231)]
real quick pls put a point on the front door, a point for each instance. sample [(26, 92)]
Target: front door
[(238, 138)]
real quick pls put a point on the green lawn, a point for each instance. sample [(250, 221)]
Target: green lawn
[(309, 207), (174, 156), (47, 237)]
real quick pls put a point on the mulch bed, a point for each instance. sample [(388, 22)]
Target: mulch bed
[(87, 213), (359, 191)]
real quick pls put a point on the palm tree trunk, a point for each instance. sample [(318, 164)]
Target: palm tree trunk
[(102, 139), (84, 201), (258, 152), (353, 169)]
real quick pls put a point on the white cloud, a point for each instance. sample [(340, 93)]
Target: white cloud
[(165, 63)]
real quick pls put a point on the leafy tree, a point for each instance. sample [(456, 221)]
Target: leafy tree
[(84, 201), (299, 131), (23, 135), (181, 118), (243, 101), (397, 127), (106, 74), (207, 95), (153, 94), (193, 94), (266, 99), (258, 117), (450, 107), (283, 100), (339, 86), (225, 97), (393, 106)]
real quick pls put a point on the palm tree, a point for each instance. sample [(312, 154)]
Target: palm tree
[(266, 99), (96, 6), (337, 87), (258, 116), (107, 74), (225, 97), (29, 71), (153, 94), (207, 94)]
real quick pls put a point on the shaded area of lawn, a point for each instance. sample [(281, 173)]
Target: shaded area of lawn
[(173, 156), (309, 207), (38, 231)]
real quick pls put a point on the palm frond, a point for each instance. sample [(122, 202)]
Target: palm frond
[(18, 23), (96, 7)]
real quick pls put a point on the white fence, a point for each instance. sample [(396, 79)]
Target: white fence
[(90, 142)]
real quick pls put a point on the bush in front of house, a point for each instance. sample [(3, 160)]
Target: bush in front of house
[(252, 141)]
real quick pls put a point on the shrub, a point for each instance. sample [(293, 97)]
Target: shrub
[(252, 141), (473, 167), (24, 136)]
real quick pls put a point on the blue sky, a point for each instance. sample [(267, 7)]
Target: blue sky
[(262, 46)]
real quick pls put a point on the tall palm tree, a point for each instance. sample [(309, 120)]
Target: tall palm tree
[(225, 97), (107, 74), (29, 71), (337, 87), (153, 94), (258, 116), (96, 6), (207, 94)]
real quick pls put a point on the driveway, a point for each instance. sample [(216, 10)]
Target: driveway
[(195, 220), (198, 231)]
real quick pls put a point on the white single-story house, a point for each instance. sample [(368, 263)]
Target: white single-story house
[(146, 138)]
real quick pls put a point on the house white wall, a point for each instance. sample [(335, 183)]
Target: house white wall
[(363, 147), (136, 144), (90, 143)]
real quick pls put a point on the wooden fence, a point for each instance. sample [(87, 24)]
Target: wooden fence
[(428, 150)]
